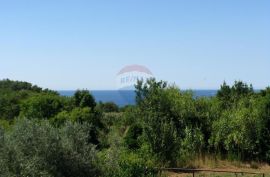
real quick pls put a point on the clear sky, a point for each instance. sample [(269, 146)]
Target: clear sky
[(197, 44)]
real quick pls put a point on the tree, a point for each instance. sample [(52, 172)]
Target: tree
[(42, 106), (132, 136), (12, 93), (159, 120), (108, 107), (7, 84), (10, 103), (229, 96), (82, 116), (83, 98), (35, 148)]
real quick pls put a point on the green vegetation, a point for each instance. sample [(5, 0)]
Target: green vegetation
[(45, 134)]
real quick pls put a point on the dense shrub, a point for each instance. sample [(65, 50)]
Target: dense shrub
[(83, 98), (7, 84), (132, 165), (132, 136), (82, 115), (167, 127), (34, 148), (108, 107), (164, 113), (128, 164), (42, 106)]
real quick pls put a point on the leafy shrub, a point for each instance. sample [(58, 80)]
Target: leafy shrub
[(132, 136), (128, 164), (42, 106), (108, 107), (83, 98), (34, 148), (132, 165)]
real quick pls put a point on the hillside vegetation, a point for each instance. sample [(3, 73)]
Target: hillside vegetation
[(45, 134)]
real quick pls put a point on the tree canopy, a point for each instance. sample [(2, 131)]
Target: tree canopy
[(45, 134)]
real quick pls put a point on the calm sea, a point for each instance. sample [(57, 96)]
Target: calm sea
[(127, 97)]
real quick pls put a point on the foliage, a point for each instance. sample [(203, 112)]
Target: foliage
[(132, 165), (82, 115), (108, 107), (230, 95), (127, 164), (7, 84), (13, 93), (35, 148), (41, 106), (192, 144), (45, 134), (10, 103), (83, 98), (161, 123), (132, 136)]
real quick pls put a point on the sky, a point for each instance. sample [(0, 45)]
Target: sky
[(196, 44)]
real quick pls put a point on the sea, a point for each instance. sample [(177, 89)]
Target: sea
[(127, 97)]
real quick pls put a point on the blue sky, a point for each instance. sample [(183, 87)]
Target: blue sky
[(197, 44)]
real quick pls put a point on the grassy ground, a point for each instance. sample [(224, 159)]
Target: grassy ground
[(214, 164)]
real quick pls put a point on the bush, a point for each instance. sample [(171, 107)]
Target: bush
[(132, 136), (132, 165), (42, 106), (34, 148), (83, 98), (128, 164), (108, 107)]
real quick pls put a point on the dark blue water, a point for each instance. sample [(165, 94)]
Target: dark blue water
[(121, 98), (127, 97)]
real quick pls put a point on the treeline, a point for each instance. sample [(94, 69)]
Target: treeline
[(45, 134)]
